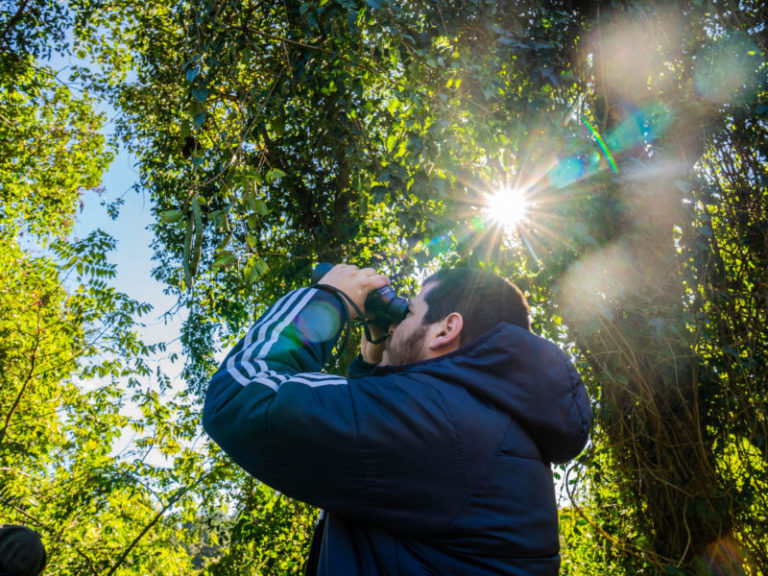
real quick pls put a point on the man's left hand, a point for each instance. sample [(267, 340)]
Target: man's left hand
[(355, 282)]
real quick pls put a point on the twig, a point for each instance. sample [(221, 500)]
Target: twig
[(40, 524), (27, 380), (147, 528), (14, 19), (622, 545)]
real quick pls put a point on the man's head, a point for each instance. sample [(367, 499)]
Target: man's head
[(454, 307), (21, 551)]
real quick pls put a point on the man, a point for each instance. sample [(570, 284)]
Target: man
[(434, 456)]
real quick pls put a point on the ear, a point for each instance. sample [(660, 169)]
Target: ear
[(448, 334)]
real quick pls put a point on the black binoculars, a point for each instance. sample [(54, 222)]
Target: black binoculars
[(384, 304)]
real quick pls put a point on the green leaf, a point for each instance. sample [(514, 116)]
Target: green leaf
[(224, 243), (274, 174), (260, 207), (224, 259), (199, 94), (254, 269), (252, 221), (192, 72), (171, 216)]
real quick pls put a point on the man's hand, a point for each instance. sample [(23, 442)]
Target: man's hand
[(356, 283), (373, 353)]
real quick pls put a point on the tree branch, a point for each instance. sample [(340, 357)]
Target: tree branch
[(28, 379), (40, 524), (147, 528), (14, 20)]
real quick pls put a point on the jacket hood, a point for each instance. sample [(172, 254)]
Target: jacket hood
[(526, 376)]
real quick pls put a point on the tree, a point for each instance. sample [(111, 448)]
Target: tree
[(676, 364), (70, 354)]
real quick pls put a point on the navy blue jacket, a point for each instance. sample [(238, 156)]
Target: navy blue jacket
[(438, 467)]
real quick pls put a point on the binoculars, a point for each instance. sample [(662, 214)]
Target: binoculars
[(384, 304)]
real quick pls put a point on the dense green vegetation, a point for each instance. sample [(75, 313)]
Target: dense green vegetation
[(273, 135)]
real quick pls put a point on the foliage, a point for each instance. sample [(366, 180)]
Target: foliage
[(50, 142), (678, 365), (75, 375), (270, 535), (32, 29)]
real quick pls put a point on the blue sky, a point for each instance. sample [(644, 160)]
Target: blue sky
[(133, 258), (133, 255)]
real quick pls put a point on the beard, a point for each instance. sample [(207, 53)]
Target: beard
[(407, 350)]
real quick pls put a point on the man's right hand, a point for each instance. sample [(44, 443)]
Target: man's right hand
[(373, 353), (356, 283)]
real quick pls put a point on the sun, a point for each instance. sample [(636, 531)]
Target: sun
[(508, 207)]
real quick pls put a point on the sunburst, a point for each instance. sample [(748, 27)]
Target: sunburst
[(508, 207)]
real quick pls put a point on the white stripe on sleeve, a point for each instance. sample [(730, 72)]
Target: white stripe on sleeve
[(316, 379), (240, 366), (266, 346)]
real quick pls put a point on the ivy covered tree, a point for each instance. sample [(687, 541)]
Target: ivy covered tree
[(666, 321)]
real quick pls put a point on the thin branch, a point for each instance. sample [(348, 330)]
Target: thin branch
[(146, 529), (40, 524), (623, 545), (368, 146), (14, 19), (28, 379), (356, 64)]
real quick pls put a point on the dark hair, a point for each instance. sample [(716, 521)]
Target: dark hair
[(21, 551), (482, 298)]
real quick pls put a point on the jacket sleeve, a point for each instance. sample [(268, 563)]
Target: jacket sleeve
[(349, 446)]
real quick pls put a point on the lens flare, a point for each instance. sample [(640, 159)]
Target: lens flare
[(602, 145), (728, 69), (508, 207)]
